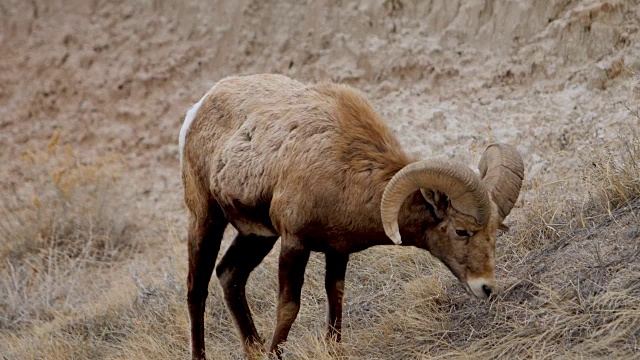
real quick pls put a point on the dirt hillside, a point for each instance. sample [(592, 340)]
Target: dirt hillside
[(94, 90)]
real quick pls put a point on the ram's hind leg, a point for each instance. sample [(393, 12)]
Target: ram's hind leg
[(206, 227), (244, 254)]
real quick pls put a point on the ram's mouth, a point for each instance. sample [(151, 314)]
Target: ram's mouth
[(480, 288), (468, 290)]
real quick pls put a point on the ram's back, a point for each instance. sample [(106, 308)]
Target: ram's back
[(279, 155)]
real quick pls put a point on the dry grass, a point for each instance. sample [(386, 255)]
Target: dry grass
[(569, 268), (614, 175), (61, 226)]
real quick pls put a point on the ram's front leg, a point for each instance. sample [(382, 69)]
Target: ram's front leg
[(293, 261), (336, 266)]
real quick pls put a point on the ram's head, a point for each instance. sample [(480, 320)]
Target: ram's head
[(469, 211)]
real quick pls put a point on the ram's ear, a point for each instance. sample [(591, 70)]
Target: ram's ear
[(503, 227), (439, 202)]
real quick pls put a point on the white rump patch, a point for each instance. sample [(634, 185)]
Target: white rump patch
[(188, 119)]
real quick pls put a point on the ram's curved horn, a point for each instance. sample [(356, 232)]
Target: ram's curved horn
[(458, 182), (502, 171)]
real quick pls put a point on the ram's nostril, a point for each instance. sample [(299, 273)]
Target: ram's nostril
[(487, 290)]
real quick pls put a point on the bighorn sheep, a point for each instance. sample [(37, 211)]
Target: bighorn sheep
[(316, 166)]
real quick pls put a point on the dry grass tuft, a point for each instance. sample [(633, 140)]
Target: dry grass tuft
[(569, 207), (63, 220), (614, 175)]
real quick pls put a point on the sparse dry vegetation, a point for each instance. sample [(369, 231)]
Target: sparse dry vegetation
[(60, 228), (92, 250)]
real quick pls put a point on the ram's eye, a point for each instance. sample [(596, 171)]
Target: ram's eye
[(462, 233)]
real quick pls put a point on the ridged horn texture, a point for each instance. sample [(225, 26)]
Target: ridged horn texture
[(502, 171), (458, 182)]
